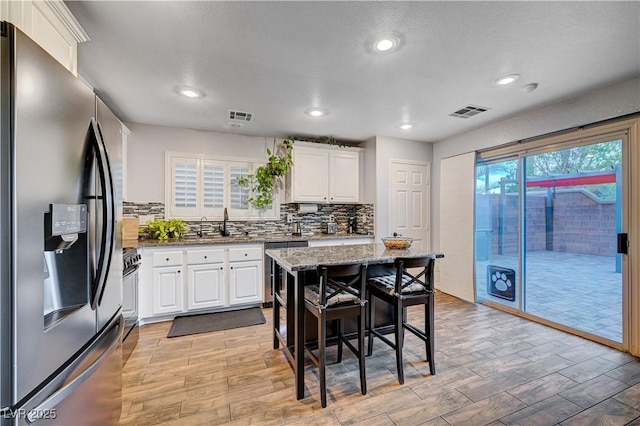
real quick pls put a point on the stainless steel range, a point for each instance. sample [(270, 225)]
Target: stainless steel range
[(131, 265)]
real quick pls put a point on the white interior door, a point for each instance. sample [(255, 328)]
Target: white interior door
[(409, 201)]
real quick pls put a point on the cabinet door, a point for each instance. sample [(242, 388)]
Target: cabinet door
[(130, 296), (167, 290), (205, 286), (51, 25), (344, 177), (311, 175), (245, 282)]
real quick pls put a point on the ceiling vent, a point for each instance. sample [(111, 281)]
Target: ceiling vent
[(240, 116), (469, 111)]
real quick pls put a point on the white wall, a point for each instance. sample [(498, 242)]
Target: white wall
[(146, 154), (609, 102), (386, 148), (454, 273), (369, 171)]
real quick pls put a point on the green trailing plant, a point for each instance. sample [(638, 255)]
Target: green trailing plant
[(328, 140), (264, 179), (163, 229)]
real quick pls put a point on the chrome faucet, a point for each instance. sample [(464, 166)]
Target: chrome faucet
[(223, 227), (199, 233)]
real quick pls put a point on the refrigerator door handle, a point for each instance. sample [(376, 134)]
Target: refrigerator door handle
[(108, 213), (59, 395), (111, 206)]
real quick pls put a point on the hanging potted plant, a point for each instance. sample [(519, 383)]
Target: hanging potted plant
[(262, 182)]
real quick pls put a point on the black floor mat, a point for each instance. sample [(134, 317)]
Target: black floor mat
[(205, 323)]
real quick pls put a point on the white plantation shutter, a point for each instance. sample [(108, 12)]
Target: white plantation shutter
[(199, 185), (184, 186), (212, 185), (238, 195)]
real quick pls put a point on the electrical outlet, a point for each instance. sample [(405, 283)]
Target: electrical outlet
[(289, 217), (363, 219)]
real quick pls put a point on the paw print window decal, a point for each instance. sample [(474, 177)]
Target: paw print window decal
[(501, 282)]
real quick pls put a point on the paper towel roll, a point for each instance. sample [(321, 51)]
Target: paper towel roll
[(307, 208)]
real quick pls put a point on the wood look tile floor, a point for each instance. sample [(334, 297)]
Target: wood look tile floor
[(492, 369)]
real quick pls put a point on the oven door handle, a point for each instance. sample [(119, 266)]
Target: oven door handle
[(133, 269)]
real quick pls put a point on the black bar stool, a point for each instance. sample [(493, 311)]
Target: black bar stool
[(400, 290), (339, 294)]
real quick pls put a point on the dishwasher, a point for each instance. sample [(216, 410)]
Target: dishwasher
[(269, 267)]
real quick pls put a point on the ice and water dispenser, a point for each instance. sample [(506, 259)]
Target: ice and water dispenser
[(66, 266)]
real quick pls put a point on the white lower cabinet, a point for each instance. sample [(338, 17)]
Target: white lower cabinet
[(206, 282), (245, 282), (208, 277), (205, 286), (245, 275), (167, 290)]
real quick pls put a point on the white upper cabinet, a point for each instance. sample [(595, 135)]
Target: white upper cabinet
[(324, 174), (344, 178), (50, 24), (310, 175)]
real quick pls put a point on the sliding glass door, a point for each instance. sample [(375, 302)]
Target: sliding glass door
[(546, 232), (497, 232), (573, 213)]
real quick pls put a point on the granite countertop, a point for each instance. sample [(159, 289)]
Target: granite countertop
[(247, 239), (308, 258)]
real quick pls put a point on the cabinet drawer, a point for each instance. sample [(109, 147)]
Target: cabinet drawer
[(246, 253), (167, 258), (195, 257)]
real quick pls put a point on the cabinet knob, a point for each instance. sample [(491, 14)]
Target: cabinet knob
[(221, 268), (167, 259), (231, 267), (245, 254), (178, 271), (205, 257)]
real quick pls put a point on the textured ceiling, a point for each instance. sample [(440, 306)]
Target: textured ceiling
[(277, 59)]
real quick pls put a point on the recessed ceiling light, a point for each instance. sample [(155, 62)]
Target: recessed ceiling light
[(386, 43), (316, 112), (530, 87), (190, 92), (507, 79), (406, 126)]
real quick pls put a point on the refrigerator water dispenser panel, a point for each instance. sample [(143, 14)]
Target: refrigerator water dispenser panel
[(66, 274), (63, 224)]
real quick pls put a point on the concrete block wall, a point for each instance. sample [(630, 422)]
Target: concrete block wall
[(581, 222)]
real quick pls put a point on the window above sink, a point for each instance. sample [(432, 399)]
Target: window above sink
[(202, 185)]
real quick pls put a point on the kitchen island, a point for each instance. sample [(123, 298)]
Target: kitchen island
[(297, 262)]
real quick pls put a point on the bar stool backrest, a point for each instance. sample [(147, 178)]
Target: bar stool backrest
[(405, 278), (333, 277)]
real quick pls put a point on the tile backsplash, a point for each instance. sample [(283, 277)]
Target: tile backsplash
[(310, 222)]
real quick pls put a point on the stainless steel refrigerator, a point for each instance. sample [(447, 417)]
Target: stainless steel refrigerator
[(60, 245)]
